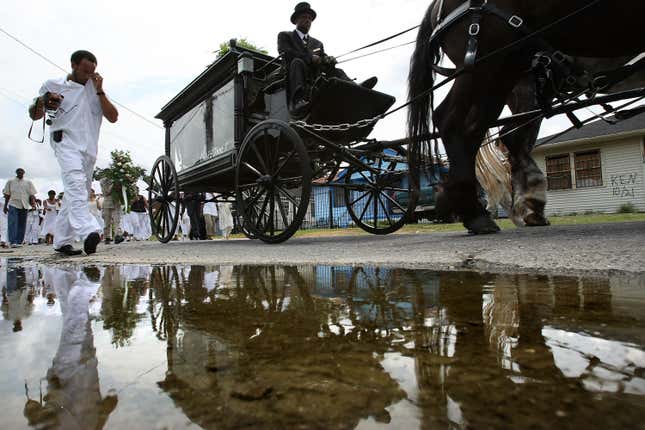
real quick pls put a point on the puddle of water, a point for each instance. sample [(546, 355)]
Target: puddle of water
[(317, 347)]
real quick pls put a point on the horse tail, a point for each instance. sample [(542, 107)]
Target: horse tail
[(494, 175), (421, 79)]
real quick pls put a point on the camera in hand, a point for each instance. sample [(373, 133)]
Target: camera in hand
[(50, 111)]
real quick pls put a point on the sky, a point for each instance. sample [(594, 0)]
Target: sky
[(148, 51)]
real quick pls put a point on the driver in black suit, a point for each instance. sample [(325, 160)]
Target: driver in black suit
[(305, 58)]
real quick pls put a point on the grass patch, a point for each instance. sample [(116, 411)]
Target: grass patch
[(505, 224)]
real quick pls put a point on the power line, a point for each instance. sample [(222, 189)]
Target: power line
[(13, 99), (29, 48)]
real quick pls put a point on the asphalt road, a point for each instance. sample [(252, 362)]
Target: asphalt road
[(590, 250)]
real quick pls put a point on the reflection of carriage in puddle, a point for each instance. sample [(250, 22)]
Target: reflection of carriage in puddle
[(323, 347)]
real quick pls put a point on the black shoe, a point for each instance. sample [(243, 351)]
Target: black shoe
[(91, 241), (369, 83), (107, 241), (68, 250), (118, 239)]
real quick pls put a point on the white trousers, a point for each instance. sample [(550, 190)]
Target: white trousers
[(74, 219)]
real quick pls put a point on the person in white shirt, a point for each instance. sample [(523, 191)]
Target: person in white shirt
[(80, 104), (33, 224), (210, 215), (19, 198)]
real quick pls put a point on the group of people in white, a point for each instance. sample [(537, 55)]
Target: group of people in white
[(41, 221), (204, 220)]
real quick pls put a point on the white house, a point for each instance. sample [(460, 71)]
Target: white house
[(598, 168)]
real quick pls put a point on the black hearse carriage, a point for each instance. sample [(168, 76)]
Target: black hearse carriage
[(230, 133)]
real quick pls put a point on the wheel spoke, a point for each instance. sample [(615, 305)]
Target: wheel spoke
[(272, 213), (395, 202), (157, 212), (261, 160), (367, 205), (367, 193), (375, 209), (262, 211), (162, 223), (284, 162), (283, 213), (253, 199), (370, 181), (267, 151), (276, 154), (252, 169), (387, 215), (287, 195)]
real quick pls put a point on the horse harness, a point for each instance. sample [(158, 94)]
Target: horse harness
[(556, 74)]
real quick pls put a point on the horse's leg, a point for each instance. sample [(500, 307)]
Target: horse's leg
[(529, 183), (462, 119)]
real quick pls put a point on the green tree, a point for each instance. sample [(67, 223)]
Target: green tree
[(224, 47)]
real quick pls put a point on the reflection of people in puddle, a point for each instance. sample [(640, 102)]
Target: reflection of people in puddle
[(73, 399), (48, 287), (17, 301)]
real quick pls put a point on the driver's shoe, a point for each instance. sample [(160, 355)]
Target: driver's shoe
[(369, 83)]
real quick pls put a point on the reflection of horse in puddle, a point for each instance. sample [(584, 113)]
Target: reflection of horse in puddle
[(73, 399), (256, 354)]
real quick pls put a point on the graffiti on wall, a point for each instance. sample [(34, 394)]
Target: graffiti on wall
[(622, 186)]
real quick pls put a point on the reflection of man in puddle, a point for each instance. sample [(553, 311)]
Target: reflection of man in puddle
[(17, 301), (73, 398)]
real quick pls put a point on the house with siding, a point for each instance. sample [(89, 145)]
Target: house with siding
[(598, 168)]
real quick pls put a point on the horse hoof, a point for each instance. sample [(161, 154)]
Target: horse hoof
[(482, 225), (536, 220)]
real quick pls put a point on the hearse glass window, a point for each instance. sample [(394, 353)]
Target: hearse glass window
[(223, 121), (204, 132)]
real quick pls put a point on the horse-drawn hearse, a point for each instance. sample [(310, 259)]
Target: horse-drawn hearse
[(230, 132)]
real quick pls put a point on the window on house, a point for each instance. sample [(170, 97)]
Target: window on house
[(588, 169), (558, 172)]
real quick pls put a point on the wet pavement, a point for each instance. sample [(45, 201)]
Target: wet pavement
[(324, 347)]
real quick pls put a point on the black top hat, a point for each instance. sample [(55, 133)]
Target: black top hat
[(302, 8)]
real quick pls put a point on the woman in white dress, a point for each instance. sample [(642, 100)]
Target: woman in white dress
[(51, 206), (95, 209), (184, 223), (32, 230), (140, 219), (225, 219)]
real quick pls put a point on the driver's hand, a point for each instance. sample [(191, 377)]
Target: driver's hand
[(331, 60), (316, 59)]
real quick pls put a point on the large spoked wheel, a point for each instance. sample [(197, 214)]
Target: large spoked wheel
[(272, 182), (163, 198), (382, 195)]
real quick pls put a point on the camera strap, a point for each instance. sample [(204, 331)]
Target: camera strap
[(32, 127), (33, 122)]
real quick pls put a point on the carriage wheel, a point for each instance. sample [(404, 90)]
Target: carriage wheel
[(163, 198), (272, 182), (381, 202)]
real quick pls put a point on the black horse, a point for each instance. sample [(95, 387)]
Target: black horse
[(506, 48)]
